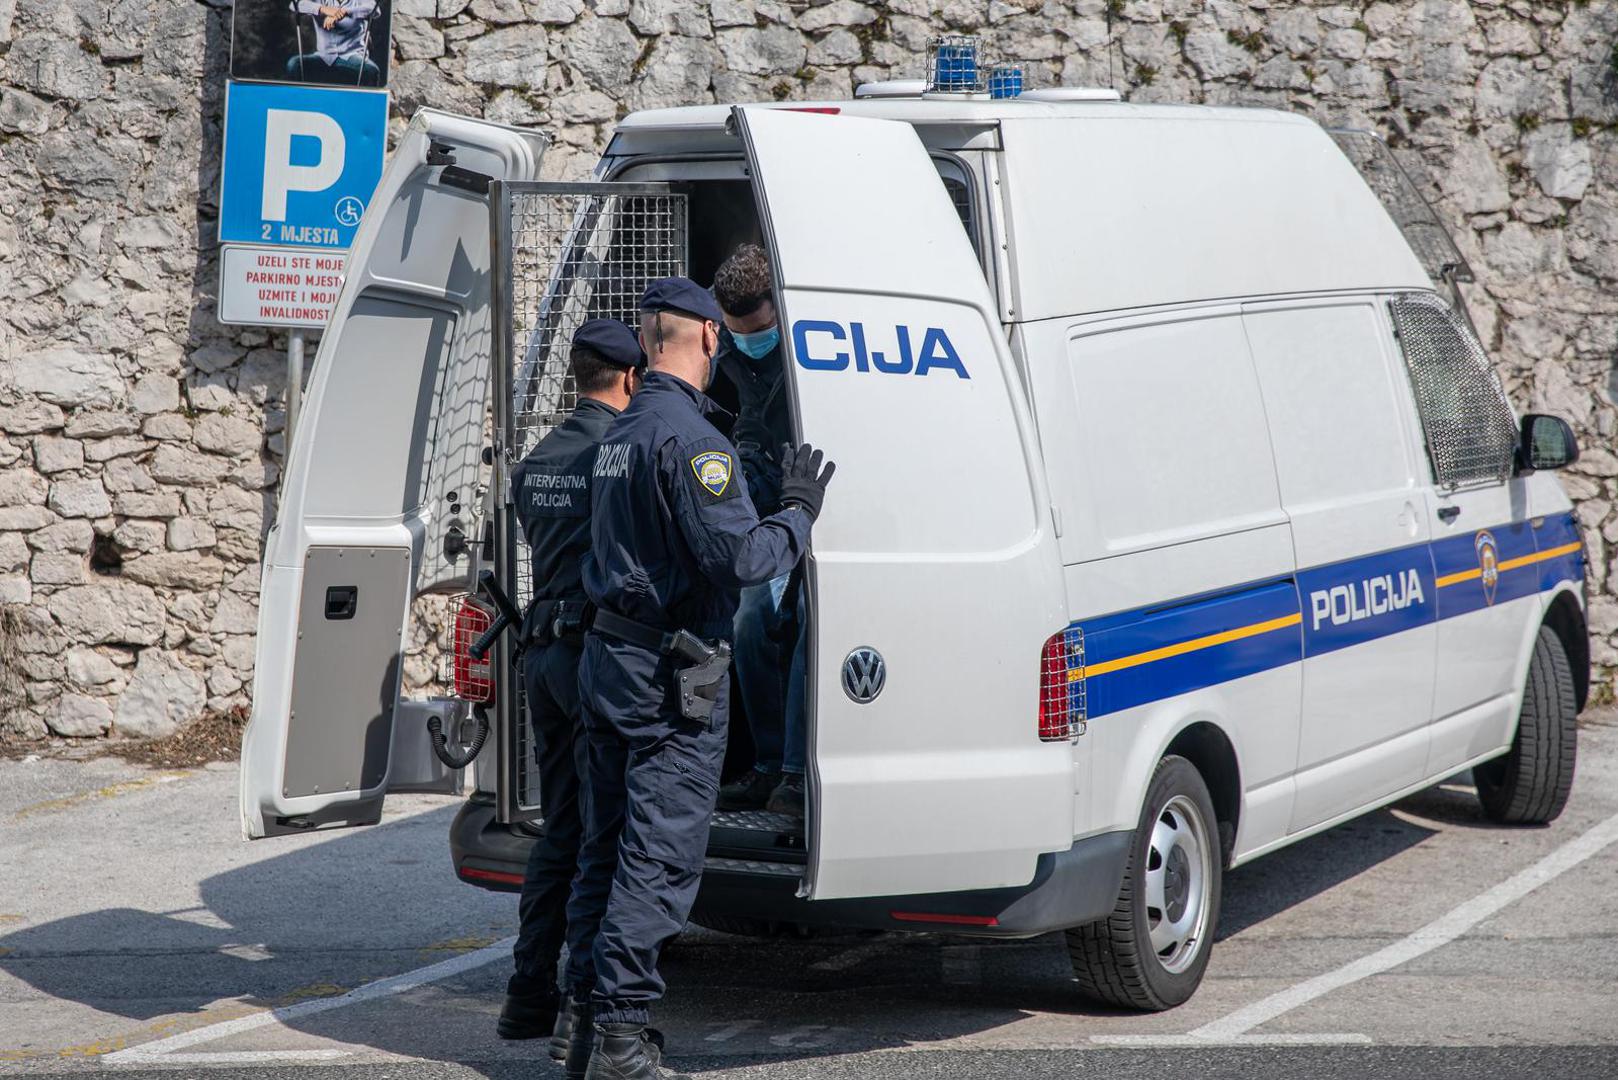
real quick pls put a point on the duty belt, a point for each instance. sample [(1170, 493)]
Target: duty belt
[(699, 683)]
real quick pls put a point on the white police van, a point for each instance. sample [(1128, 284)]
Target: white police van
[(1178, 514)]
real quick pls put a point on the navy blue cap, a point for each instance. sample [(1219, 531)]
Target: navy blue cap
[(681, 295), (612, 341)]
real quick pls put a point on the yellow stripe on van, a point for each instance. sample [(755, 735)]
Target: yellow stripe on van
[(1510, 564), (1194, 645)]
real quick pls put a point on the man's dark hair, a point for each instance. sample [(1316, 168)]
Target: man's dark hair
[(591, 374), (743, 281)]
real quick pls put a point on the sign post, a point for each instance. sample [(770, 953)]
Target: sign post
[(294, 382)]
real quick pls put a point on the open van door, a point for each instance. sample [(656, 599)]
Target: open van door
[(935, 574), (382, 467)]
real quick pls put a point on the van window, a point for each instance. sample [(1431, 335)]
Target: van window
[(1334, 419), (1470, 431), (1173, 445), (958, 185)]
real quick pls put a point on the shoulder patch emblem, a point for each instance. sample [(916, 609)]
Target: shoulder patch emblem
[(712, 470)]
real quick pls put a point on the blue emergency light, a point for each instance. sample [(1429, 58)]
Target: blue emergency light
[(1005, 81)]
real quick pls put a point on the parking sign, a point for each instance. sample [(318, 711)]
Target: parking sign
[(300, 163)]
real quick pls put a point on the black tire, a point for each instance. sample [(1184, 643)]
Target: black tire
[(1530, 785), (1113, 958)]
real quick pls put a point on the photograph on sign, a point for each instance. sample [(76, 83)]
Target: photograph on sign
[(300, 163), (318, 42), (260, 286)]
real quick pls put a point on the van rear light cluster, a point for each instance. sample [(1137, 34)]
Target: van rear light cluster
[(474, 680), (1061, 686)]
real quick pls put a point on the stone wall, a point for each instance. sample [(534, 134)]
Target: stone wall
[(142, 441)]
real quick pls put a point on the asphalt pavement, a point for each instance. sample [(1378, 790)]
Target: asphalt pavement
[(140, 935)]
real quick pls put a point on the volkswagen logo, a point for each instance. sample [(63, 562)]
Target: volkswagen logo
[(864, 673)]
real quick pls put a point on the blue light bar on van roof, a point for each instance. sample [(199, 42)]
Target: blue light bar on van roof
[(1005, 81), (954, 67)]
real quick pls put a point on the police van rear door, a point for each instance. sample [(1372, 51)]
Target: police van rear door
[(935, 550), (383, 462)]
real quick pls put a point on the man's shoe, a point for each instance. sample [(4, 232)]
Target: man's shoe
[(529, 1012), (566, 1020), (751, 792), (628, 1052), (788, 796), (580, 1041)]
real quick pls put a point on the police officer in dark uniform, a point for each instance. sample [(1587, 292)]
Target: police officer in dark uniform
[(551, 487), (674, 537)]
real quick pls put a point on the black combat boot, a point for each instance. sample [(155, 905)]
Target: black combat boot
[(750, 792), (580, 1040), (567, 1019), (628, 1052), (788, 796), (530, 1009)]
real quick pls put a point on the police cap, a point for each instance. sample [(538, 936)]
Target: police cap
[(680, 295), (612, 341)]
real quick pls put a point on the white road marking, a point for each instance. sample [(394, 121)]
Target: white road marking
[(245, 952), (730, 1031), (842, 961), (1441, 931), (163, 1050), (1235, 1040)]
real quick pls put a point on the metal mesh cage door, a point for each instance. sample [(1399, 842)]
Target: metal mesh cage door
[(1470, 431), (563, 254)]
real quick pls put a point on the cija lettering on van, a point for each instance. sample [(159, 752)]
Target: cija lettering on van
[(1343, 604), (816, 353)]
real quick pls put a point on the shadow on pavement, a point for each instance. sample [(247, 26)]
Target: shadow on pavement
[(364, 904)]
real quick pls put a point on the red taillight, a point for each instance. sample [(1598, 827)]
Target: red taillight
[(473, 681), (828, 110), (1061, 686), (940, 917), (473, 873)]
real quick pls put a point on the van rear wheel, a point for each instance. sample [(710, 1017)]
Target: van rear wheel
[(1530, 785), (1150, 953)]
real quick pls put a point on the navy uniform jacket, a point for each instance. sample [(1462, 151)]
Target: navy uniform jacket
[(674, 537), (551, 487), (763, 418)]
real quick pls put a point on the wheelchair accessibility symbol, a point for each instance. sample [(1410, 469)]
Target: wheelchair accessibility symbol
[(349, 211)]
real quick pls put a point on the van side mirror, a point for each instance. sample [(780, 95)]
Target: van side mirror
[(1547, 443)]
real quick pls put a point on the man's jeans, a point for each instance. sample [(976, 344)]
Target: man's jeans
[(770, 680)]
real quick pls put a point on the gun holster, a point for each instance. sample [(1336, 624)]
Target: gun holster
[(700, 683)]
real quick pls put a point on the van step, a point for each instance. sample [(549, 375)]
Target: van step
[(756, 836), (758, 821), (752, 866)]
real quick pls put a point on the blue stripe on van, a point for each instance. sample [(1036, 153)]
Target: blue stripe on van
[(1148, 654)]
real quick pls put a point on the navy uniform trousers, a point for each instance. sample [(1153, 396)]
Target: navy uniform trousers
[(653, 782), (551, 683)]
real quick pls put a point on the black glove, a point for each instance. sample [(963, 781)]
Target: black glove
[(803, 482)]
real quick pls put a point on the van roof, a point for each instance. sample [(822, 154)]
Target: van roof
[(956, 110)]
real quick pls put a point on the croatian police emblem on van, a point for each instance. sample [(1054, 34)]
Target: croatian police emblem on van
[(864, 674), (713, 471), (1488, 564)]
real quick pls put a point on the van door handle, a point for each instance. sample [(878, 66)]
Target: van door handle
[(1447, 514)]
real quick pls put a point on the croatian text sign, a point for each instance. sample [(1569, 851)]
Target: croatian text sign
[(300, 163), (277, 286)]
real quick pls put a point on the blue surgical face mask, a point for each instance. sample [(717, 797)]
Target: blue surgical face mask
[(759, 343)]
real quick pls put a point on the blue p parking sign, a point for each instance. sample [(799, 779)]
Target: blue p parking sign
[(300, 163)]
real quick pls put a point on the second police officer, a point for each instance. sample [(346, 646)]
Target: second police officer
[(551, 489), (674, 538)]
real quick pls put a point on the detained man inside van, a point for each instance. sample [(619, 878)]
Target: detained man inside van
[(770, 638)]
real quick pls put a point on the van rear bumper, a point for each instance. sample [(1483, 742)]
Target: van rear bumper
[(1069, 888)]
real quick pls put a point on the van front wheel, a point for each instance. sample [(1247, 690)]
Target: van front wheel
[(1150, 953), (1530, 785)]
